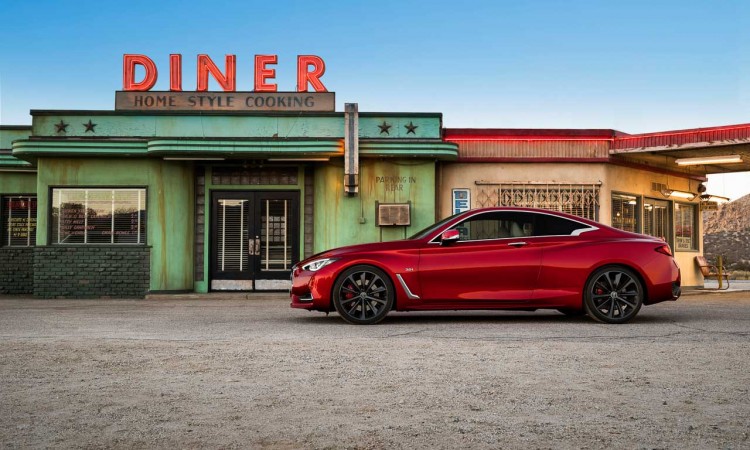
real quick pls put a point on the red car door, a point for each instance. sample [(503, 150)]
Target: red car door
[(496, 260)]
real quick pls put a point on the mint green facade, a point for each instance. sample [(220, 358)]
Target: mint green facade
[(167, 153), (341, 220), (169, 206)]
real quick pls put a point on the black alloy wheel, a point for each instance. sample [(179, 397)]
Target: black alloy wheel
[(613, 295), (363, 295)]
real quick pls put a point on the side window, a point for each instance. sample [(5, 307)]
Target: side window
[(556, 226), (496, 225)]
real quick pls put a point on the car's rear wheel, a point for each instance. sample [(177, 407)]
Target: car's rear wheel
[(363, 295), (613, 295)]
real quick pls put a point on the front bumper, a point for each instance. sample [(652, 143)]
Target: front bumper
[(311, 290)]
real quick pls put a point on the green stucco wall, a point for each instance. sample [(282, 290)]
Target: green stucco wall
[(338, 218), (17, 183), (169, 207)]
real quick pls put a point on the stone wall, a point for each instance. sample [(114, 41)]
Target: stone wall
[(91, 271), (16, 270)]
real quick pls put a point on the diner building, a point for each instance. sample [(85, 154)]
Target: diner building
[(127, 202)]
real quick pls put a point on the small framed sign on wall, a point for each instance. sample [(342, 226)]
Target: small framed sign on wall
[(461, 200)]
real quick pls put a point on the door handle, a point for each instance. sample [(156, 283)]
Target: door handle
[(250, 247), (257, 245), (517, 244)]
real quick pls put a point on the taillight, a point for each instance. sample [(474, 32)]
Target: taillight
[(664, 249)]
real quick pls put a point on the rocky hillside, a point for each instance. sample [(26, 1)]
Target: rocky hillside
[(727, 233)]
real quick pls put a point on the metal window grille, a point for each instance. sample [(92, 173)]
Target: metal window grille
[(581, 200)]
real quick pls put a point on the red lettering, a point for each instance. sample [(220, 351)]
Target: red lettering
[(206, 65), (262, 73), (175, 72), (304, 75), (128, 73), (310, 69)]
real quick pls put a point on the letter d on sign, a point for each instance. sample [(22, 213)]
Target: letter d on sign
[(128, 73)]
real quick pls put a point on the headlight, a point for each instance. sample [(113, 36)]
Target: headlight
[(314, 266)]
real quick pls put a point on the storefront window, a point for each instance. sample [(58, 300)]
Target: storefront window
[(656, 218), (625, 212), (98, 216), (685, 227), (19, 221)]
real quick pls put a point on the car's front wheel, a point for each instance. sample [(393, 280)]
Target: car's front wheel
[(613, 295), (363, 295)]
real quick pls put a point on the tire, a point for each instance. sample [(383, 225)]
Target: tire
[(613, 295), (363, 295), (572, 312)]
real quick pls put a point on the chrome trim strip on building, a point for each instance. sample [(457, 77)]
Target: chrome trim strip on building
[(409, 293)]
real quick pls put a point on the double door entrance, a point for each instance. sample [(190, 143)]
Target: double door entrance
[(254, 239)]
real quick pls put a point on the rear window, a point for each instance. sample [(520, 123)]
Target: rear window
[(556, 226)]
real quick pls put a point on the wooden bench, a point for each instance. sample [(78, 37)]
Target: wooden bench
[(711, 271)]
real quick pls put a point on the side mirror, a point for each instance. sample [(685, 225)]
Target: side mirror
[(449, 236)]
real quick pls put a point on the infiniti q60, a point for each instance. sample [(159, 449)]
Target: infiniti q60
[(493, 258)]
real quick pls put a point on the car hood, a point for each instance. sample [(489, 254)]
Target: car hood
[(362, 248)]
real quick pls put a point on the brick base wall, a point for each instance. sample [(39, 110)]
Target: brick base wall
[(91, 272), (16, 270)]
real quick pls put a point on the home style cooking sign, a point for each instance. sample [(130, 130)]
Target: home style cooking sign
[(136, 94)]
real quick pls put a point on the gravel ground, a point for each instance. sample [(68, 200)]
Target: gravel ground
[(233, 372)]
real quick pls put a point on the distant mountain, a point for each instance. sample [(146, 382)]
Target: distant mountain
[(727, 233)]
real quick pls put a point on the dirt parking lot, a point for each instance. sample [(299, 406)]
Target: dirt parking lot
[(235, 372)]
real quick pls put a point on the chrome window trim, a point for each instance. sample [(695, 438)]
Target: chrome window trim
[(574, 233)]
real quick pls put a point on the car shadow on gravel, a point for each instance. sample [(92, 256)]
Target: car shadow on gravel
[(507, 317)]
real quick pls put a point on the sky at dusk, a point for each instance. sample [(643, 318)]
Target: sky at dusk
[(635, 66)]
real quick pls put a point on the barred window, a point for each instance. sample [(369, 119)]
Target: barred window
[(625, 212), (656, 218), (581, 200), (98, 216), (19, 221), (685, 227)]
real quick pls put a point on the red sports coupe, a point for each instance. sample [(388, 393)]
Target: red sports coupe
[(493, 258)]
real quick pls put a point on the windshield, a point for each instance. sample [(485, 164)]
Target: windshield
[(427, 231)]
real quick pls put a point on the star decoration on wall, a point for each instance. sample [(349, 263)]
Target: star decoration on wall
[(384, 128), (90, 126), (411, 128), (61, 127)]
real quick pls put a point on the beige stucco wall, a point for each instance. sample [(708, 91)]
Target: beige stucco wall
[(464, 175), (612, 178), (636, 181)]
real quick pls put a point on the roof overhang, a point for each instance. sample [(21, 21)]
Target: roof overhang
[(664, 149)]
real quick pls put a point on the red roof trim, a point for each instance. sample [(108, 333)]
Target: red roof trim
[(619, 140)]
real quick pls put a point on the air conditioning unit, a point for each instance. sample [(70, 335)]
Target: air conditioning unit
[(393, 214)]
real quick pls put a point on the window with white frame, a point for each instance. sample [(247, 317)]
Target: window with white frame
[(625, 212), (656, 218), (103, 216), (685, 227), (18, 221)]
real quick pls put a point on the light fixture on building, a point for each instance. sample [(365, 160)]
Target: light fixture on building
[(723, 159), (677, 194), (714, 198)]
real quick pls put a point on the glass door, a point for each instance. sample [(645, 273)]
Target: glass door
[(255, 239), (277, 233)]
